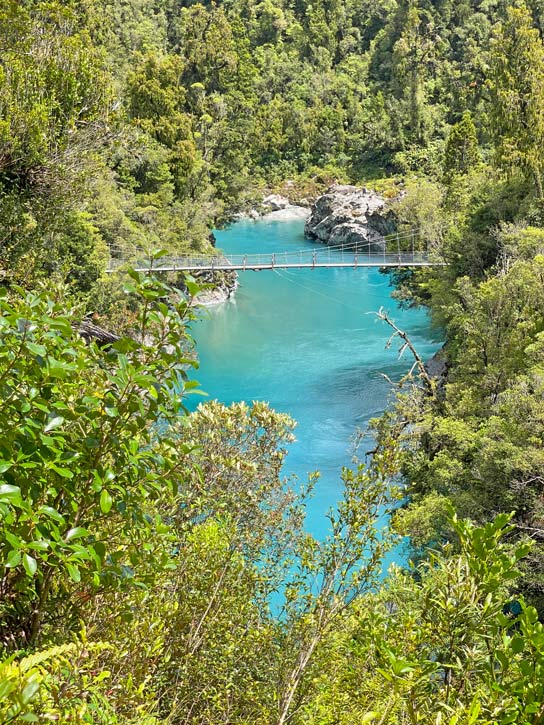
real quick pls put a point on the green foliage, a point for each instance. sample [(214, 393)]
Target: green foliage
[(478, 443), (168, 533), (45, 51), (77, 463), (63, 684), (22, 680), (54, 107), (445, 646), (215, 102), (129, 126), (517, 94), (461, 153), (119, 509)]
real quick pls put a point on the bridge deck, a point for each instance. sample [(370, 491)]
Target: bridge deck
[(283, 265), (303, 259)]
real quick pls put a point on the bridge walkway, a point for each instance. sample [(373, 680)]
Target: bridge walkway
[(324, 257)]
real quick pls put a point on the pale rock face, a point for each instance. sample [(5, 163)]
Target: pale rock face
[(290, 213), (352, 216), (224, 286), (276, 202)]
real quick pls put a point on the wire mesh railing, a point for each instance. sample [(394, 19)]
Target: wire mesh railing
[(395, 250)]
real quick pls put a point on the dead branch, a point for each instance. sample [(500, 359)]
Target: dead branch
[(407, 344), (91, 332)]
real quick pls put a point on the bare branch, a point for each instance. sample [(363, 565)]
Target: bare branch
[(407, 344)]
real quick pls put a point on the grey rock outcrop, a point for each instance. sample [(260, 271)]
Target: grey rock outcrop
[(438, 367), (219, 286), (352, 216), (276, 202)]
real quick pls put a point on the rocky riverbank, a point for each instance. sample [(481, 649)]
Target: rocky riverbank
[(355, 217), (352, 216), (277, 207), (219, 287)]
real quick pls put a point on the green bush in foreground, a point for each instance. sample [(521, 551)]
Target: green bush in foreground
[(77, 460), (167, 533)]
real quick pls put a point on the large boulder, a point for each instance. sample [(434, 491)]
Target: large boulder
[(350, 216), (276, 202)]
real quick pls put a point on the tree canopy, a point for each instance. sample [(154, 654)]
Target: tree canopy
[(144, 548)]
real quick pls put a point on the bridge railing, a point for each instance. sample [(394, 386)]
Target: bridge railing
[(389, 253)]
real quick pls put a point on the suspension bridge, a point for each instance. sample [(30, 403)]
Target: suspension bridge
[(389, 252)]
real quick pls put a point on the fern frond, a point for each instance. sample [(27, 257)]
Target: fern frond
[(53, 655)]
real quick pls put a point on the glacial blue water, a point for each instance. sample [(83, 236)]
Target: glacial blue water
[(308, 343)]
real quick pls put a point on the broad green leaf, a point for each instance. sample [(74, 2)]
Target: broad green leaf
[(36, 349), (30, 689), (54, 423), (38, 545), (100, 549), (75, 533), (73, 571), (51, 513), (14, 558), (58, 369), (30, 564), (64, 472), (30, 717), (9, 492), (105, 501), (15, 541)]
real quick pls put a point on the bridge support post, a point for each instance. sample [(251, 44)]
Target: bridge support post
[(313, 260), (273, 260), (356, 260), (245, 261)]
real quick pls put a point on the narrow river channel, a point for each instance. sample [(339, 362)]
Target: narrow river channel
[(308, 343)]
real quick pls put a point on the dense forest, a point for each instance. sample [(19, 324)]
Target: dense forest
[(141, 545)]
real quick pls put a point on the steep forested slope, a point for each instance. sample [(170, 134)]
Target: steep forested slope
[(129, 125), (189, 109)]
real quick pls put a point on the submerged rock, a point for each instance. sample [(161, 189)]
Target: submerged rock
[(352, 216)]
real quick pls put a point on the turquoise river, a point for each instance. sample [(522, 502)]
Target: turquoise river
[(308, 343)]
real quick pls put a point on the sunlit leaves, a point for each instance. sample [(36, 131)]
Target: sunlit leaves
[(78, 443), (517, 88), (446, 646)]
